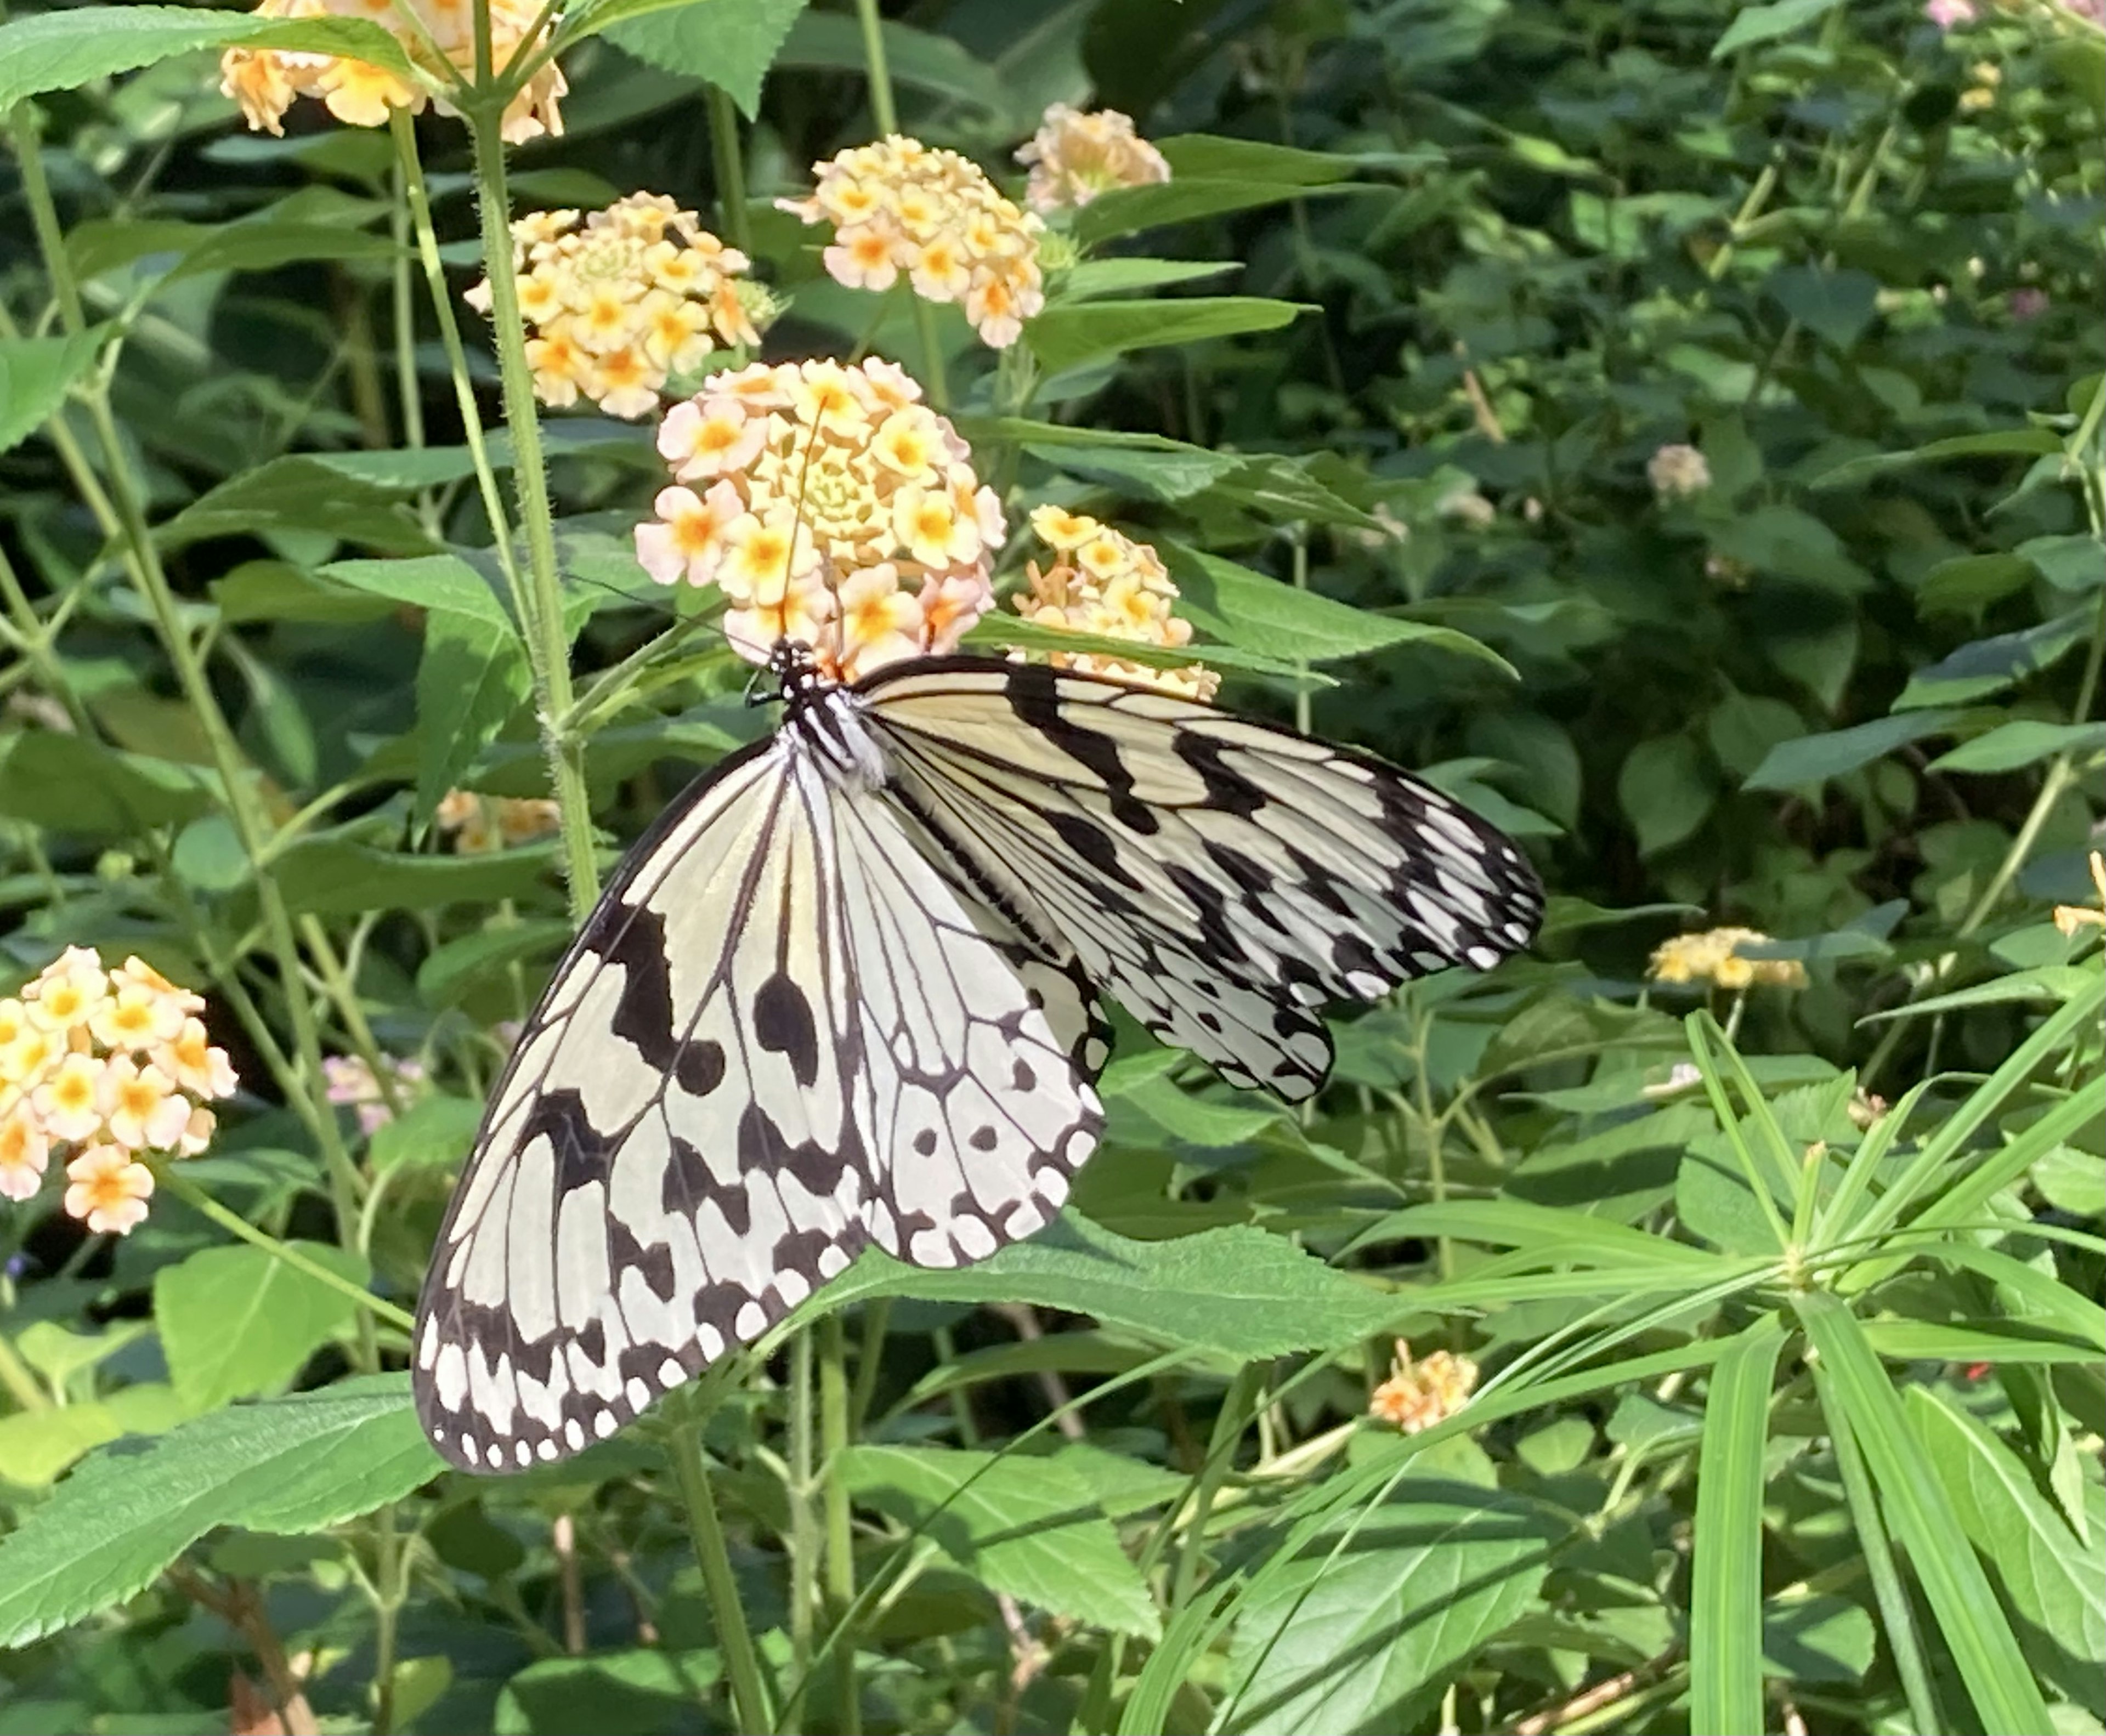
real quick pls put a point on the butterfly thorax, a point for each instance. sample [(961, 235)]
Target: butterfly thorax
[(825, 720)]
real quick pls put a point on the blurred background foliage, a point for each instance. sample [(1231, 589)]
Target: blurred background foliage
[(1730, 375)]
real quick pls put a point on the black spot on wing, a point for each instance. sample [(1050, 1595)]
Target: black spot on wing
[(1227, 788), (643, 1015), (699, 1067), (582, 1155), (783, 1024), (1090, 842)]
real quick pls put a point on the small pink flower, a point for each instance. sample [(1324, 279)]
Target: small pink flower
[(1949, 15)]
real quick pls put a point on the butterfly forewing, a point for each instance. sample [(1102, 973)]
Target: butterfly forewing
[(1220, 877), (782, 1035)]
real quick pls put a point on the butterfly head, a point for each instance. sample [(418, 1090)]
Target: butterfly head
[(791, 674)]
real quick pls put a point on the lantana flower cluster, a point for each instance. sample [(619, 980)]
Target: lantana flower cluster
[(1074, 157), (616, 305), (831, 506), (1678, 473), (480, 824), (898, 205), (1713, 956), (1104, 582), (264, 81), (97, 1067), (1418, 1394)]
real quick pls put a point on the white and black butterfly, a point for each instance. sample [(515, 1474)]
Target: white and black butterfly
[(846, 992)]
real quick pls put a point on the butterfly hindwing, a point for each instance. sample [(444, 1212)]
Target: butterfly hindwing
[(1220, 877)]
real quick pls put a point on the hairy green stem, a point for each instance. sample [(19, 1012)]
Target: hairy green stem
[(834, 1437), (539, 599), (687, 1413)]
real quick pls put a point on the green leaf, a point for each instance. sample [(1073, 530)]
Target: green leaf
[(1090, 279), (1012, 630), (917, 59), (642, 1693), (2054, 1582), (1068, 337), (442, 583), (1960, 1597), (1237, 1292), (1126, 210), (1814, 759), (2068, 563), (35, 375), (1026, 1526), (1360, 1630), (732, 44), (2023, 742), (62, 51), (1726, 1574), (287, 1465), (1836, 306), (1762, 24), (236, 1322), (278, 591), (1266, 614), (1789, 544), (472, 678), (70, 783), (301, 495), (1989, 665), (437, 1130), (1967, 584), (1996, 443), (1666, 790), (329, 876)]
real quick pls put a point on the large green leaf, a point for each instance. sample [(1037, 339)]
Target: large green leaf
[(1237, 1292), (1383, 1607), (63, 49), (72, 783), (288, 1465), (1029, 1526), (299, 493), (236, 1322), (1726, 1601), (331, 876), (2053, 1581), (732, 44), (1813, 760)]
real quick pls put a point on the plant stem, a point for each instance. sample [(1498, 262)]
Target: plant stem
[(238, 789), (202, 1203), (803, 1539), (749, 1699), (731, 168), (1220, 1456), (840, 1536), (540, 600)]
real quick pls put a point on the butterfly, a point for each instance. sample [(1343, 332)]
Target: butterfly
[(848, 992)]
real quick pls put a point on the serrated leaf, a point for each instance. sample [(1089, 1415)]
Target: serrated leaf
[(444, 584), (732, 44), (236, 1322), (286, 1465), (1026, 1526), (303, 494), (64, 50), (35, 375), (1237, 1292)]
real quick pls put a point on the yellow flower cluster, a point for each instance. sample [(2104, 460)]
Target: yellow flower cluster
[(1713, 956), (480, 824), (112, 1062), (899, 206), (1417, 1395), (835, 508), (1074, 157), (264, 81), (642, 292), (1103, 582)]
